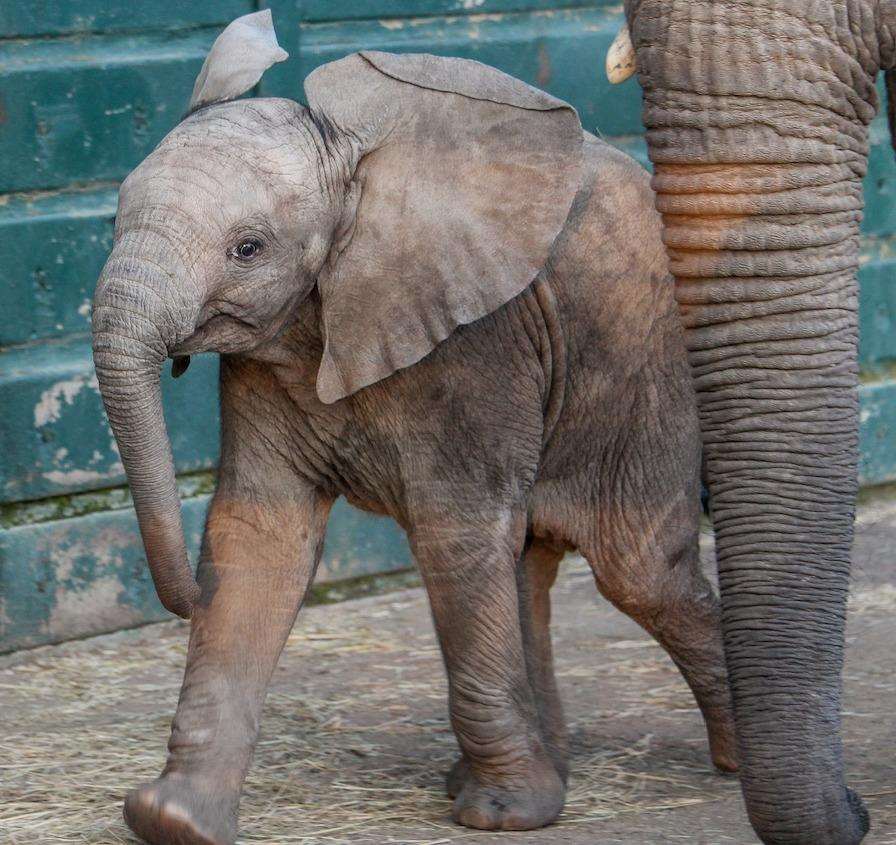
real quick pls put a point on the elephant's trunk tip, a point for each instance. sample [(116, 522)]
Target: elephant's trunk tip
[(163, 538), (180, 598)]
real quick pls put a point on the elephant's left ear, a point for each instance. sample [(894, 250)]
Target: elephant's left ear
[(238, 58), (464, 178)]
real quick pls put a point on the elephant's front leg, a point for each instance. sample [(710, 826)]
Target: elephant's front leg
[(259, 555), (470, 574)]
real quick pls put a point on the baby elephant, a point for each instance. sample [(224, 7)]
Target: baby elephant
[(436, 296)]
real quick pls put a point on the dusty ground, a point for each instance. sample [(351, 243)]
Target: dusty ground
[(355, 738)]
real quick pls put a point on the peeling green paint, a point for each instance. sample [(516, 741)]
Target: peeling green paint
[(76, 577), (55, 439), (86, 575), (81, 504), (364, 585)]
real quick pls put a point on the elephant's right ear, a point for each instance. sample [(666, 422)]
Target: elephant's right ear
[(464, 178), (237, 59)]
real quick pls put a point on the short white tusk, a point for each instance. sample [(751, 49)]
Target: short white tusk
[(621, 57)]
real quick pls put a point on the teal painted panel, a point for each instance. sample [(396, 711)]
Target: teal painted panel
[(877, 311), (62, 242), (561, 51), (635, 146), (880, 182), (20, 18), (92, 108), (79, 577), (55, 439), (359, 543), (877, 432), (339, 10)]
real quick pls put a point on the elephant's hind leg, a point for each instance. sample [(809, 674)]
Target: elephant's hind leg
[(536, 573), (652, 573), (470, 574), (535, 577)]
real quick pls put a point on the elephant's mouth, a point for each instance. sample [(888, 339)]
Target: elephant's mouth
[(218, 333), (231, 333)]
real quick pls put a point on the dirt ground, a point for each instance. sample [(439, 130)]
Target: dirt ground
[(355, 738)]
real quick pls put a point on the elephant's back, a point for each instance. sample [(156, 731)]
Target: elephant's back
[(627, 368), (608, 267), (613, 216)]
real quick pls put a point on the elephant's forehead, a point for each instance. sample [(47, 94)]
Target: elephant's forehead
[(244, 146), (255, 133), (261, 122), (215, 175)]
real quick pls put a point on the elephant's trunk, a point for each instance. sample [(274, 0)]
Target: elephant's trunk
[(759, 152), (129, 348)]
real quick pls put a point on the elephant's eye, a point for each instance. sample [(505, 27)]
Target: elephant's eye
[(247, 250)]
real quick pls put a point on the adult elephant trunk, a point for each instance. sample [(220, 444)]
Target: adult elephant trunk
[(131, 337), (756, 116)]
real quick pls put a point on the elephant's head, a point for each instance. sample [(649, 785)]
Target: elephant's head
[(757, 120), (416, 194)]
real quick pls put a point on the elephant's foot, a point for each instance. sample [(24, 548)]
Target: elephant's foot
[(460, 771), (174, 810), (844, 822), (722, 741), (519, 807), (858, 814), (561, 764), (457, 776)]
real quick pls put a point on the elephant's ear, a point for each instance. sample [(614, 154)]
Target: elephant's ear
[(465, 177), (237, 59)]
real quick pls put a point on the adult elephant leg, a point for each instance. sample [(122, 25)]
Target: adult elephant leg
[(779, 415), (756, 120)]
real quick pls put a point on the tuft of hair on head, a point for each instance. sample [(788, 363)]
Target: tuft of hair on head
[(323, 125), (198, 108)]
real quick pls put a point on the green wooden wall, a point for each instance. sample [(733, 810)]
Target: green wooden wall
[(87, 88)]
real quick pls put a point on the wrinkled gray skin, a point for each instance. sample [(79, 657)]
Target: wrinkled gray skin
[(563, 418), (757, 121)]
